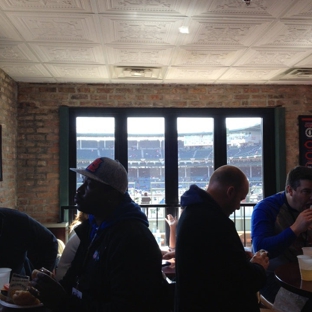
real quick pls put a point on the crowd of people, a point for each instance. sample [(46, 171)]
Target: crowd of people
[(112, 261)]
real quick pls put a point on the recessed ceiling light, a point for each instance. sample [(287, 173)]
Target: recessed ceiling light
[(184, 30)]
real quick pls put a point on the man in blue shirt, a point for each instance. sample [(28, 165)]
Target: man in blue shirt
[(282, 224)]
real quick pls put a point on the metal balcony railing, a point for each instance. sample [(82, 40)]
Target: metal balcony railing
[(156, 215)]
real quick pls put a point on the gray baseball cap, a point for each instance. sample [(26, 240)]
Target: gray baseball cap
[(107, 171)]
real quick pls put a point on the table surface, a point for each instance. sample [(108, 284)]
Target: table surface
[(289, 277)]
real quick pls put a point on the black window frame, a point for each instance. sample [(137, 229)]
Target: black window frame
[(272, 132)]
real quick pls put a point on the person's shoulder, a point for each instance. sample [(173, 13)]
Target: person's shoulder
[(201, 217), (206, 206), (275, 199), (131, 234), (130, 225), (270, 204), (10, 212)]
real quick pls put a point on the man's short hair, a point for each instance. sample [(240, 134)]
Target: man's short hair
[(297, 174)]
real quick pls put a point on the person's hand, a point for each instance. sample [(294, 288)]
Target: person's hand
[(171, 220), (47, 290), (248, 254), (163, 252), (42, 270), (303, 222), (169, 255), (261, 257)]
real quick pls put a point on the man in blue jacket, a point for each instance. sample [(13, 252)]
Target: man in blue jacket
[(281, 224), (117, 266), (212, 270)]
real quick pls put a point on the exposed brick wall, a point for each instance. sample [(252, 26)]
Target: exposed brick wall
[(38, 123), (8, 122)]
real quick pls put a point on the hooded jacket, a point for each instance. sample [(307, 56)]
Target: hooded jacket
[(212, 270), (117, 268)]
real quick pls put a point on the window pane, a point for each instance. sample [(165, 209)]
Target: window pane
[(146, 167), (244, 150), (195, 152), (195, 146), (95, 138)]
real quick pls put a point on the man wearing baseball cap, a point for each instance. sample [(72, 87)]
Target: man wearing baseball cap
[(117, 266)]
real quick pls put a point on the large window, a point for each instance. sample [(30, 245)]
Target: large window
[(167, 150)]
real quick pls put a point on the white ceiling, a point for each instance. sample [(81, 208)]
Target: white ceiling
[(138, 41)]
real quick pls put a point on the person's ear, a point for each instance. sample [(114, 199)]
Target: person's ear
[(230, 191), (289, 190)]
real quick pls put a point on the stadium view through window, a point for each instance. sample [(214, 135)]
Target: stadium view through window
[(146, 148)]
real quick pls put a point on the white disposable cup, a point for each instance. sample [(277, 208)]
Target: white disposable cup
[(307, 251), (305, 266), (4, 276)]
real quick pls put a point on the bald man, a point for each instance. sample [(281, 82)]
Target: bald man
[(212, 270)]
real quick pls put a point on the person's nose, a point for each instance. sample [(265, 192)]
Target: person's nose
[(80, 189)]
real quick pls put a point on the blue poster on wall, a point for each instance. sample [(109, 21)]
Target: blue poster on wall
[(305, 141)]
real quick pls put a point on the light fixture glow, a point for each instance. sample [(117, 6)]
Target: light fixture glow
[(184, 30)]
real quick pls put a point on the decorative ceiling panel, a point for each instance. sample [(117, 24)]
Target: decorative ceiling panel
[(25, 70), (50, 5), (7, 30), (176, 7), (139, 41), (249, 74), (191, 56), (78, 71), (195, 73), (55, 27), (16, 52), (305, 63), (272, 56), (288, 33), (256, 9), (140, 30), (69, 53), (134, 56), (299, 9), (218, 32)]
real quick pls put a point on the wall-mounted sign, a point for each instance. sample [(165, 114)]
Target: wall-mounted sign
[(305, 141)]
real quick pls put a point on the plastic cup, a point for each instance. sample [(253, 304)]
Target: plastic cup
[(305, 266), (4, 276), (307, 251)]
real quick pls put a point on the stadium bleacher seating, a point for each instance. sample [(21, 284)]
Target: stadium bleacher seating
[(152, 151), (87, 154)]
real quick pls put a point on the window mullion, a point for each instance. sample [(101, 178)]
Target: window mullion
[(121, 139), (220, 147), (171, 160)]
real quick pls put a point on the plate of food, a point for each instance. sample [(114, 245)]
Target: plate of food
[(16, 306), (20, 299)]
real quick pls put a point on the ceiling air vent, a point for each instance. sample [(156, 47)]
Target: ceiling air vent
[(137, 72), (298, 74)]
